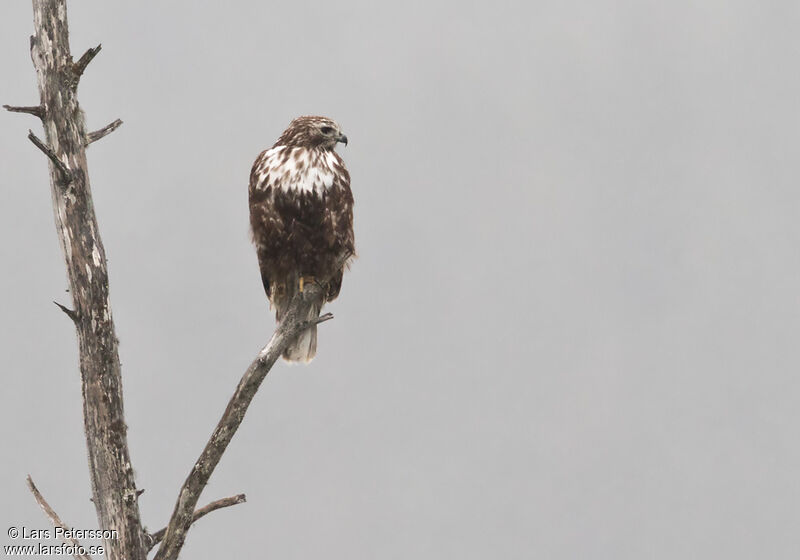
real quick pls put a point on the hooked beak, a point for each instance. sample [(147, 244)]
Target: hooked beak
[(343, 139)]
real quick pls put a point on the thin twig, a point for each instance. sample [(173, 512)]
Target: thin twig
[(37, 111), (67, 174), (157, 537), (84, 61), (55, 520), (320, 319), (107, 129), (69, 312)]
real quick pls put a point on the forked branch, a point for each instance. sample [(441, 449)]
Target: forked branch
[(157, 537), (292, 324)]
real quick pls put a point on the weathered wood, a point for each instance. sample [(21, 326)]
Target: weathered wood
[(292, 324), (113, 487), (56, 520), (106, 130), (37, 111), (66, 174), (68, 312), (79, 67), (156, 537)]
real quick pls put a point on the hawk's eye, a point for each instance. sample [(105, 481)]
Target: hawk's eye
[(326, 130)]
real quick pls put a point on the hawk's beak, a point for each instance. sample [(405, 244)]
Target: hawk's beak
[(343, 139)]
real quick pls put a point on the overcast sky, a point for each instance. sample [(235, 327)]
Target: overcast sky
[(572, 328)]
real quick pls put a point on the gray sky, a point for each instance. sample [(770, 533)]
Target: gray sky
[(571, 331)]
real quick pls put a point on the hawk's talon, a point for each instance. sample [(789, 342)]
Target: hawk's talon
[(306, 280)]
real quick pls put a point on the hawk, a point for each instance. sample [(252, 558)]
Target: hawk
[(301, 215)]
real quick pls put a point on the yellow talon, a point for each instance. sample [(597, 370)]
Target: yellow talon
[(306, 280)]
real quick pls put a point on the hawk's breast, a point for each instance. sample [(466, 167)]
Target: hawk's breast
[(296, 169)]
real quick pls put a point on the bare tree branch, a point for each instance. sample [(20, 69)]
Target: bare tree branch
[(291, 325), (107, 129), (83, 62), (55, 520), (65, 172), (320, 319), (156, 537), (37, 111)]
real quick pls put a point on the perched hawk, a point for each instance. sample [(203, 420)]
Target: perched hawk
[(301, 214)]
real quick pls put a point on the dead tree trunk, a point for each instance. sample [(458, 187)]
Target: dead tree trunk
[(113, 487)]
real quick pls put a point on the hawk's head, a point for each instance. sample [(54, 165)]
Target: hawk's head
[(312, 132)]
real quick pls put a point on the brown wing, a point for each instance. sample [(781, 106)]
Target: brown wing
[(339, 222), (265, 222)]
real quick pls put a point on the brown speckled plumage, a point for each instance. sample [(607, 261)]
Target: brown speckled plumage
[(301, 215)]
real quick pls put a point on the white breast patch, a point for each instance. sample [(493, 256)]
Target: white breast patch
[(296, 169)]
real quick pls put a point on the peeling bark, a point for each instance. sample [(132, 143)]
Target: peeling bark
[(113, 486)]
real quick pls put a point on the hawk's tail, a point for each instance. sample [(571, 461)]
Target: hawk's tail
[(304, 348)]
